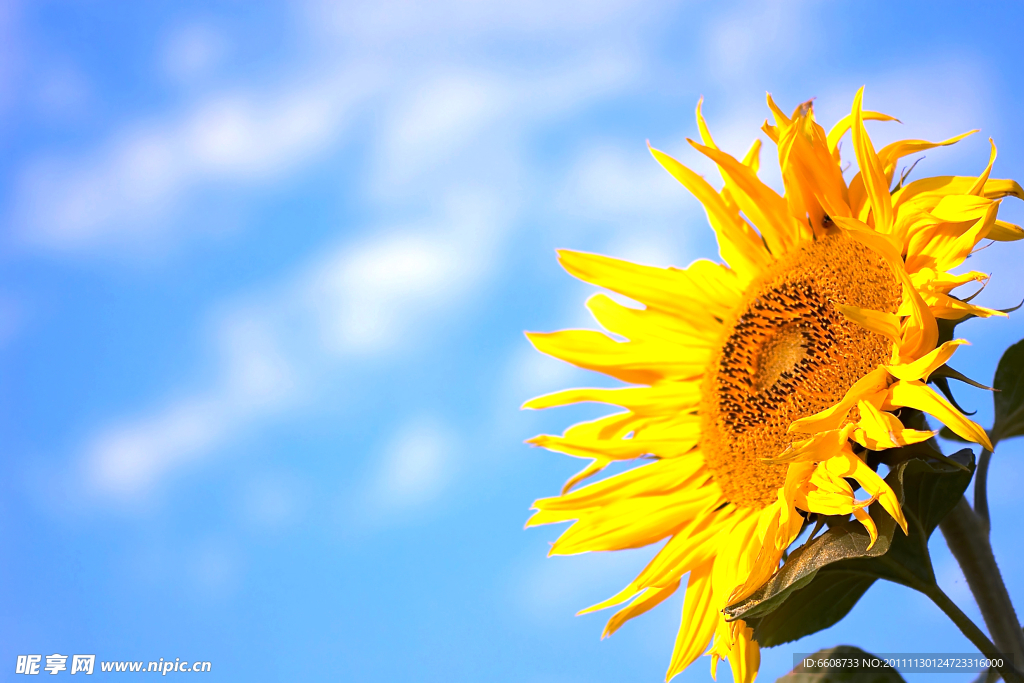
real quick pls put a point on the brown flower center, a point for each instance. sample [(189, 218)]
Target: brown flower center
[(790, 353)]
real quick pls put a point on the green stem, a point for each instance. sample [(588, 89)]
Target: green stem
[(967, 538), (963, 622), (981, 489)]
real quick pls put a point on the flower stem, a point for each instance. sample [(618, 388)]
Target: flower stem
[(981, 489), (963, 622), (967, 537)]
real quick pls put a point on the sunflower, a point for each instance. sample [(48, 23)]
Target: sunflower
[(760, 384)]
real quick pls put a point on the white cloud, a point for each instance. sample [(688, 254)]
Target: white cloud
[(400, 21), (612, 183), (440, 130), (193, 50), (552, 589), (214, 567), (752, 37), (431, 109), (130, 186), (360, 301), (415, 466), (462, 121), (642, 212), (530, 373), (272, 501), (365, 294), (435, 120), (126, 459), (11, 51), (934, 102)]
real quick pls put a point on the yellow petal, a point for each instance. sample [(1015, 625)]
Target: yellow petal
[(875, 183), (624, 595), (979, 185), (1001, 231), (862, 516), (915, 394), (702, 126), (633, 362), (920, 331), (812, 178), (745, 658), (844, 124), (885, 324), (752, 159), (650, 598), (698, 624), (941, 186), (659, 478), (693, 545), (738, 244), (780, 116), (657, 399), (821, 446), (648, 324), (926, 365), (877, 430), (698, 293), (593, 467), (892, 153), (849, 465), (630, 524), (761, 204), (833, 417)]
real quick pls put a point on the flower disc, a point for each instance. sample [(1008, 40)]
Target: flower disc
[(788, 354)]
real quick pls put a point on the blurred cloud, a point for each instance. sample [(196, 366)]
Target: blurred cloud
[(529, 373), (550, 588), (445, 135), (364, 295), (399, 21), (214, 567), (934, 102), (744, 34), (414, 466), (610, 183), (472, 117), (192, 50), (128, 189), (273, 501), (10, 51), (62, 91), (281, 345), (127, 458)]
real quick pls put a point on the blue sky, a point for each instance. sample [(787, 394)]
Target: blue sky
[(264, 272)]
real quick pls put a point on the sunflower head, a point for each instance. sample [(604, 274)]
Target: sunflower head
[(762, 389)]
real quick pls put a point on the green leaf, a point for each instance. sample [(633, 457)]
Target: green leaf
[(878, 673), (947, 433), (837, 591), (932, 489), (1009, 397), (822, 580)]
